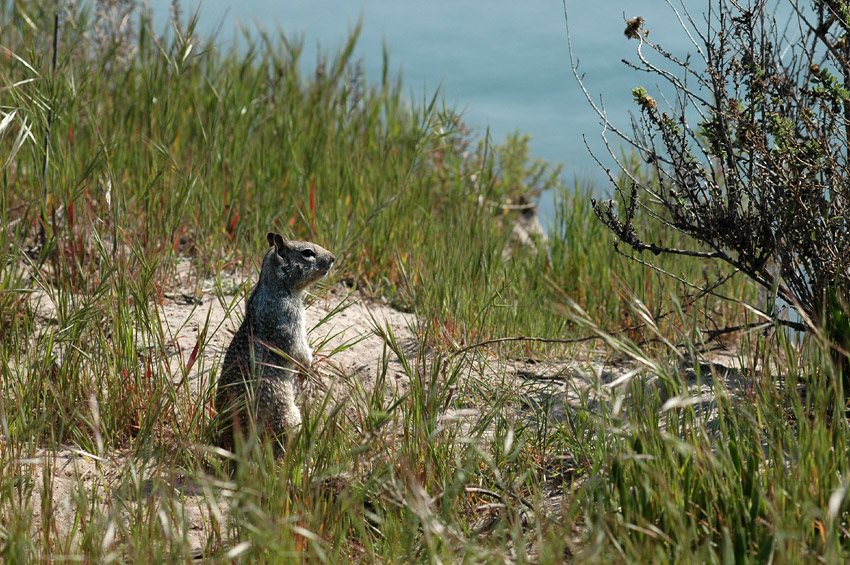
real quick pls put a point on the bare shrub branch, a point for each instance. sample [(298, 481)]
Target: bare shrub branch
[(761, 179)]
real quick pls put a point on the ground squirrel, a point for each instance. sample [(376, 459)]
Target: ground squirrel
[(257, 385)]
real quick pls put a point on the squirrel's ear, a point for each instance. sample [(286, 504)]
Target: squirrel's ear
[(270, 237), (278, 242)]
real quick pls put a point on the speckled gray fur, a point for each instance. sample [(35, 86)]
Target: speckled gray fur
[(257, 384)]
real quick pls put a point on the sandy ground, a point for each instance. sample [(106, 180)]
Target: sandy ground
[(346, 346)]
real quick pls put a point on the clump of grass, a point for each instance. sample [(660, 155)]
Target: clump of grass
[(708, 463)]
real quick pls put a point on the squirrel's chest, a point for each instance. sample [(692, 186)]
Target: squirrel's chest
[(297, 332), (283, 327)]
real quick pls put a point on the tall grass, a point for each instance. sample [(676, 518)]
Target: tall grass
[(165, 148), (710, 464)]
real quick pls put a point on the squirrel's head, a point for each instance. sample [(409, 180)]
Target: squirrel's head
[(294, 264)]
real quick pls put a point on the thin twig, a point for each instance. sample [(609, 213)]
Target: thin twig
[(713, 334), (43, 228), (701, 292), (524, 338)]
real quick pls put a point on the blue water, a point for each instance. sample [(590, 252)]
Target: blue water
[(504, 63)]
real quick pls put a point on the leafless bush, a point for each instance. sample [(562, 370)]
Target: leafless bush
[(752, 157)]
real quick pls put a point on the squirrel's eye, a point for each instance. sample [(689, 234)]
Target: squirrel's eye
[(308, 253)]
